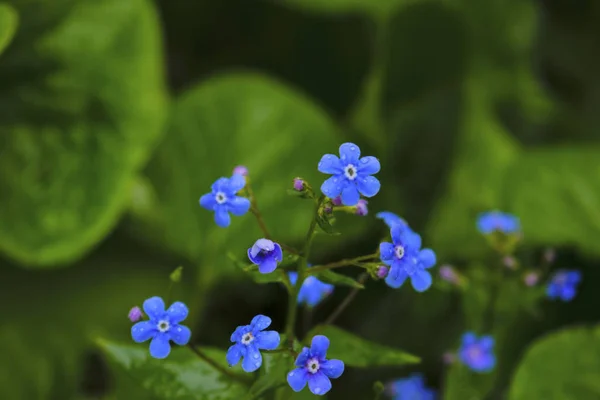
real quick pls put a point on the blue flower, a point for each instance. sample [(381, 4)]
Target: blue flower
[(162, 326), (351, 175), (314, 368), (249, 340), (477, 353), (391, 219), (411, 388), (406, 259), (223, 199), (491, 221), (563, 285), (312, 291), (266, 254)]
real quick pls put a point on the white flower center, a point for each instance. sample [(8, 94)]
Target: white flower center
[(220, 197), (399, 250), (163, 326), (313, 365), (247, 338), (350, 172)]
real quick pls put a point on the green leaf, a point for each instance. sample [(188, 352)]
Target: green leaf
[(273, 373), (8, 24), (463, 384), (373, 7), (82, 106), (236, 118), (325, 223), (355, 351), (182, 375), (335, 278), (562, 365)]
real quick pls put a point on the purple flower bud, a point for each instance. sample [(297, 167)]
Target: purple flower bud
[(298, 184), (449, 358), (509, 262), (240, 170), (337, 201), (531, 279), (361, 208), (382, 271), (448, 273), (549, 255), (135, 314), (327, 209)]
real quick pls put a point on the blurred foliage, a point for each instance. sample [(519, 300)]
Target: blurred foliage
[(8, 24)]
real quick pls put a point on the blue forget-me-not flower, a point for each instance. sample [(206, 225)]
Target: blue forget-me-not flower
[(406, 259), (390, 219), (563, 285), (266, 254), (314, 368), (249, 340), (351, 175), (223, 199), (411, 388), (477, 353), (312, 291), (492, 221), (162, 326)]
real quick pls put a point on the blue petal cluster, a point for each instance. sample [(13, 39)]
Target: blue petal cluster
[(312, 291), (162, 326), (314, 368), (492, 221), (563, 285), (351, 175), (249, 340), (411, 388), (477, 353), (223, 199), (266, 254), (406, 259)]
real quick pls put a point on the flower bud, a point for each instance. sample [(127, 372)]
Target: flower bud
[(135, 314), (240, 170), (361, 208), (298, 184), (509, 262), (382, 271), (531, 279), (449, 358), (448, 274), (337, 201), (549, 255)]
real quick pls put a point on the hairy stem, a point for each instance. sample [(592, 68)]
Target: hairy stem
[(218, 367)]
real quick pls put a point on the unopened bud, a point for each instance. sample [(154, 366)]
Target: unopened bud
[(531, 279), (509, 262), (135, 314), (549, 255), (176, 275), (298, 184), (361, 208), (240, 170), (337, 201), (382, 271), (449, 358), (448, 274)]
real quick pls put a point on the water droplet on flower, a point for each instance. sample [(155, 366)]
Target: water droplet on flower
[(255, 355), (291, 373), (352, 148), (317, 390), (364, 160), (257, 364)]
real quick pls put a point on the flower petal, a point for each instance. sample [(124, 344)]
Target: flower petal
[(567, 293), (160, 346), (332, 187), (293, 277), (468, 338), (390, 218), (368, 186), (333, 368), (143, 331), (208, 201), (302, 357), (260, 245), (398, 233), (330, 164), (396, 277), (260, 322), (236, 183), (234, 354), (268, 265), (222, 217), (277, 253), (369, 165), (267, 340), (297, 379), (180, 334), (154, 307), (574, 276), (236, 336), (177, 312), (350, 195), (413, 240), (220, 185), (487, 343), (238, 206), (421, 280), (319, 346), (319, 383), (386, 252), (349, 153), (252, 359), (427, 258)]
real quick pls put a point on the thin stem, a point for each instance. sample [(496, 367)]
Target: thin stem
[(169, 293), (342, 263), (218, 367), (346, 302)]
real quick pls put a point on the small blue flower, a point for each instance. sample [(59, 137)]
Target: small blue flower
[(491, 221), (249, 339), (312, 291), (406, 259), (351, 175), (266, 254), (477, 353), (314, 368), (162, 326), (411, 388), (563, 285), (391, 219), (224, 200)]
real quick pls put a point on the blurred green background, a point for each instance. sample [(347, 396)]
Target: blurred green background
[(117, 115)]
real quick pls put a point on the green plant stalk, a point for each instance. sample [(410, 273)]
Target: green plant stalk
[(215, 365), (346, 302), (343, 263)]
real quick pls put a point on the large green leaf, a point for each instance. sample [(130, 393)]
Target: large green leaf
[(8, 24), (355, 351), (236, 118), (563, 365), (183, 375), (82, 106)]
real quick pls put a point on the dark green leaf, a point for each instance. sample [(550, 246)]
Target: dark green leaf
[(83, 103), (8, 25), (376, 8), (273, 374), (335, 278), (355, 351), (563, 365), (325, 223), (182, 375)]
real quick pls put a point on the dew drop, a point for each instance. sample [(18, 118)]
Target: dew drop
[(364, 160), (291, 373), (255, 355), (317, 390), (352, 148), (257, 364)]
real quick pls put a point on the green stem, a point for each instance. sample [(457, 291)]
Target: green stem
[(215, 365), (342, 263), (346, 302)]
